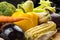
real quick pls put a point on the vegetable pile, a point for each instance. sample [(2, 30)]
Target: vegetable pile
[(36, 23)]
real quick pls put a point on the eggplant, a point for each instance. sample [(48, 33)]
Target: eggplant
[(3, 37), (12, 32), (55, 17)]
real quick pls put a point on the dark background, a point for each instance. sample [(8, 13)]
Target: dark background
[(15, 2), (55, 3)]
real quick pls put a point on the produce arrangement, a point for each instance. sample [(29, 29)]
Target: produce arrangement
[(28, 23)]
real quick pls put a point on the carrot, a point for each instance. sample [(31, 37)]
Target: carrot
[(10, 19)]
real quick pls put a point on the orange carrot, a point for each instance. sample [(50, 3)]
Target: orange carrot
[(10, 19)]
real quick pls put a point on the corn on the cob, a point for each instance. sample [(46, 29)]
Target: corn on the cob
[(38, 31), (46, 36), (43, 17)]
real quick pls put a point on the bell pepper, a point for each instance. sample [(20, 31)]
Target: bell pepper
[(26, 24)]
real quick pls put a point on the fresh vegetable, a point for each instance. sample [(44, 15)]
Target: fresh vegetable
[(20, 8), (6, 9), (35, 19), (56, 18), (51, 9), (45, 30), (44, 4), (10, 19), (26, 24), (11, 31), (43, 17), (27, 6), (39, 10)]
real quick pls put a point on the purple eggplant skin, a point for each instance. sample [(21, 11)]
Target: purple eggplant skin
[(12, 32), (56, 18)]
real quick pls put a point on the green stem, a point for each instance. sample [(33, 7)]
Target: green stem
[(21, 8)]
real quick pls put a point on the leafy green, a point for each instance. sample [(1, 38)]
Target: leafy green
[(7, 9)]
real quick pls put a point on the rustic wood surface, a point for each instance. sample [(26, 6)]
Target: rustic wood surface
[(56, 36)]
